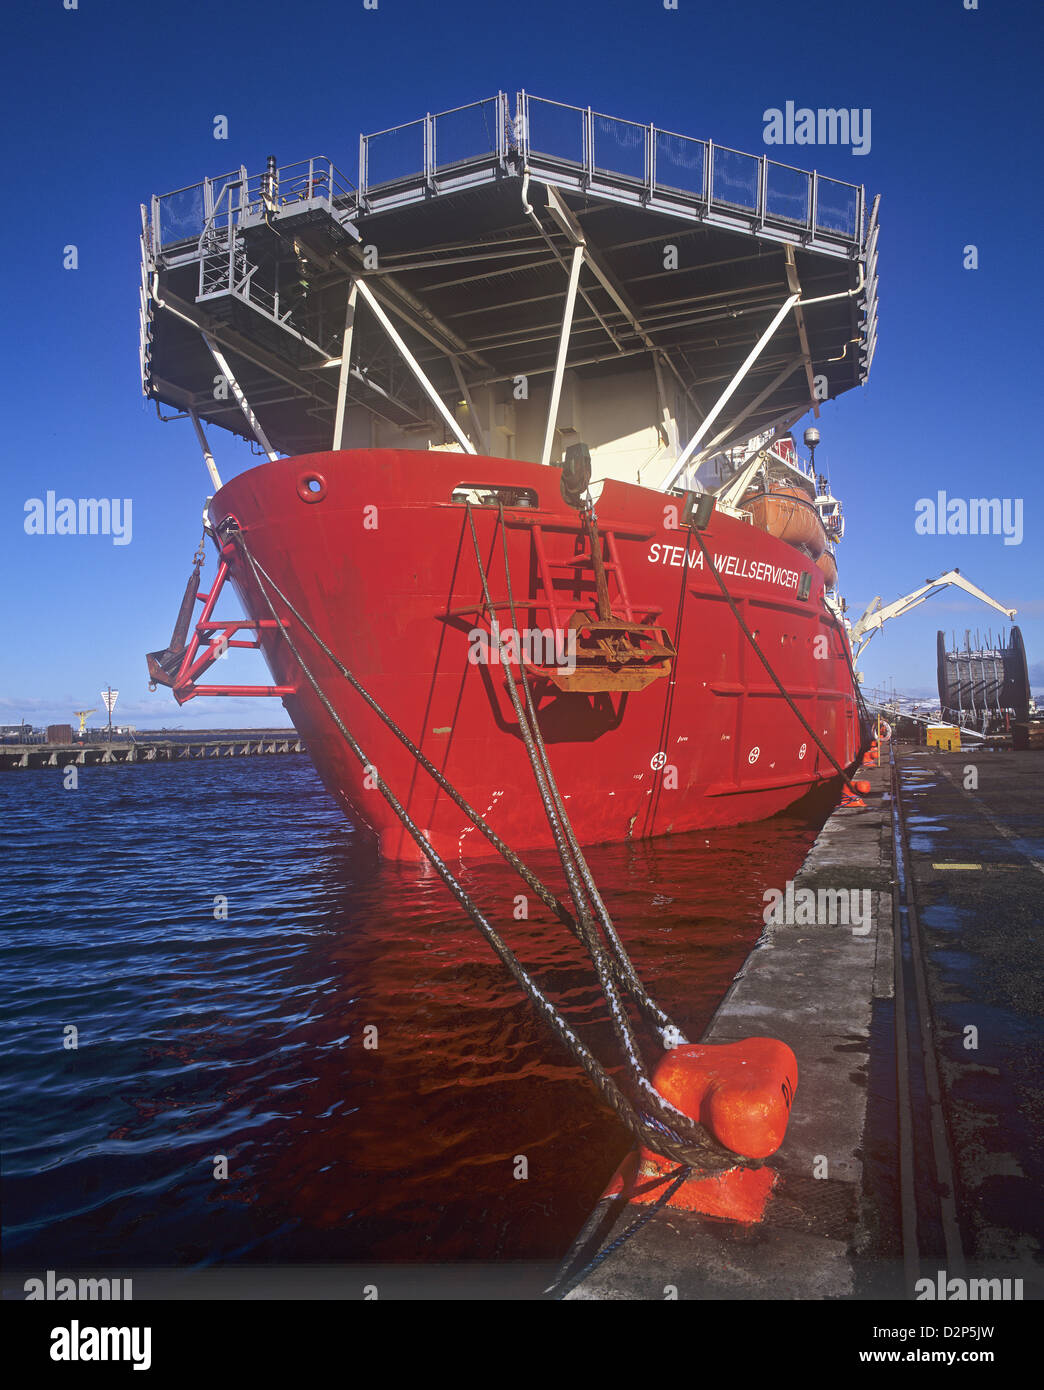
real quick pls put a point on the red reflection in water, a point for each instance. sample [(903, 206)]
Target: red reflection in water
[(407, 1151)]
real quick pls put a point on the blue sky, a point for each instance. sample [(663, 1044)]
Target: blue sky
[(111, 102)]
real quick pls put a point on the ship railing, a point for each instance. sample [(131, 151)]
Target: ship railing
[(793, 461), (205, 212), (592, 150), (742, 454), (441, 150), (291, 188), (571, 145), (869, 324), (145, 305)]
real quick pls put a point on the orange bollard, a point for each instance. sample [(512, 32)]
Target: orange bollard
[(741, 1093)]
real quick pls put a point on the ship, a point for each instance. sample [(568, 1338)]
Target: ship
[(524, 394)]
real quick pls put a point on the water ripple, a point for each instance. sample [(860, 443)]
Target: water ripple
[(342, 1039)]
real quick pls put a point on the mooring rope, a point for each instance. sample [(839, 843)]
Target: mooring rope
[(867, 721), (674, 1135), (540, 889), (565, 1281), (674, 1122), (767, 665), (670, 1033)]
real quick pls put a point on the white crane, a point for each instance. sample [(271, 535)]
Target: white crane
[(875, 616)]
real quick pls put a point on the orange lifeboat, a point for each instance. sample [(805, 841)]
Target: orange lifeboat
[(787, 513), (828, 565)]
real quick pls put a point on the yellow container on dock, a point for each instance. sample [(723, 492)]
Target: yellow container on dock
[(945, 737)]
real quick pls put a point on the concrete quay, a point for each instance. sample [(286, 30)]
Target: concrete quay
[(19, 756), (907, 1155)]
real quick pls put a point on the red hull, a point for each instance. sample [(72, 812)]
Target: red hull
[(379, 563)]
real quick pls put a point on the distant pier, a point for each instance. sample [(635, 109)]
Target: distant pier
[(245, 744)]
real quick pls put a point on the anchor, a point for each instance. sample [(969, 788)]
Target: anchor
[(180, 663)]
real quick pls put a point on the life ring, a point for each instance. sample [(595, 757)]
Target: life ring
[(884, 730)]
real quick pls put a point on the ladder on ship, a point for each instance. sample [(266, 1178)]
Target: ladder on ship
[(619, 646), (581, 568)]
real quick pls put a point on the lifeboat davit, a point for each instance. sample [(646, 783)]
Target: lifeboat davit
[(828, 565), (787, 513)]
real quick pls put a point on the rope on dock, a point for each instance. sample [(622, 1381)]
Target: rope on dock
[(569, 1276)]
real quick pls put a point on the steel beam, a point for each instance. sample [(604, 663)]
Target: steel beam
[(578, 362), (208, 457), (414, 366), (779, 425), (727, 394), (668, 423), (778, 380), (563, 348), (576, 236), (244, 404), (236, 342), (565, 218), (393, 290), (568, 223), (799, 318), (346, 362), (476, 423)]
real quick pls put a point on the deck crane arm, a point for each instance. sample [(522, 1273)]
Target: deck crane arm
[(875, 616)]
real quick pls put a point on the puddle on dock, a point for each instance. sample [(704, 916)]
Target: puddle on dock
[(981, 933), (201, 1037)]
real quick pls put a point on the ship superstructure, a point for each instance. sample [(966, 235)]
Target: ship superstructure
[(507, 287), (711, 295)]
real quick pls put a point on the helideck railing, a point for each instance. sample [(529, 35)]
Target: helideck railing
[(572, 146), (217, 205), (218, 225), (589, 149)]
